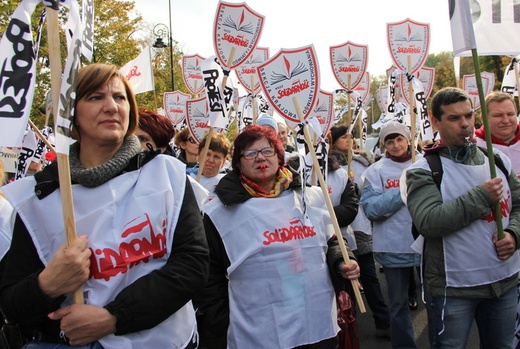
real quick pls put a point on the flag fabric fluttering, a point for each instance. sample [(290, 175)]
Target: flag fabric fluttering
[(87, 20), (67, 100), (26, 154), (18, 71), (489, 25), (219, 97), (139, 72), (509, 82), (462, 33)]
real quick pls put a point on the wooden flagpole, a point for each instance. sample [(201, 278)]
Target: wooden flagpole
[(208, 135), (253, 99), (42, 137), (323, 186), (63, 159), (412, 112)]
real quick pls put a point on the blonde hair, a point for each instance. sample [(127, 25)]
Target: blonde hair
[(3, 176)]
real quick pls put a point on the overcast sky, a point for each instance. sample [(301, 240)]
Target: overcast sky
[(296, 23)]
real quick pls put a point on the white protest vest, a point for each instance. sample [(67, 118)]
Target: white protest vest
[(129, 222), (512, 152), (6, 226), (280, 293), (469, 254), (336, 182), (209, 183), (394, 234)]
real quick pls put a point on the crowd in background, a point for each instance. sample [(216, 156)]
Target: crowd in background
[(240, 251)]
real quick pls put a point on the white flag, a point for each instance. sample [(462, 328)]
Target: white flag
[(491, 26), (87, 19), (18, 74), (139, 72), (218, 99), (462, 33)]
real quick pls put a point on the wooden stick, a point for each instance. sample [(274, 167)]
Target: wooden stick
[(517, 77), (253, 100), (412, 112), (155, 100), (349, 122), (323, 186), (202, 161), (63, 159), (195, 89), (210, 133), (42, 137), (230, 59)]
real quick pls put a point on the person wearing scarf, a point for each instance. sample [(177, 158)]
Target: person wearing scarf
[(505, 136), (392, 227), (273, 255), (141, 251), (503, 126)]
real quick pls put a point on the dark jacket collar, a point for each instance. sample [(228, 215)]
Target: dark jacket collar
[(47, 180), (230, 190)]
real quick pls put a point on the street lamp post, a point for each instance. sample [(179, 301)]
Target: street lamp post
[(162, 32)]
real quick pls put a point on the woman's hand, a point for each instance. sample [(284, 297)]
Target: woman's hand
[(351, 271), (68, 269), (83, 323)]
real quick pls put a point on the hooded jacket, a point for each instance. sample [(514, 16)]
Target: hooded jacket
[(436, 219)]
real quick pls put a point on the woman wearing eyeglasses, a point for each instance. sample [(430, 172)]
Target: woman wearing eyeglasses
[(271, 254), (188, 148)]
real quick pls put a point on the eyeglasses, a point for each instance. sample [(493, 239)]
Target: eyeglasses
[(192, 140), (253, 153)]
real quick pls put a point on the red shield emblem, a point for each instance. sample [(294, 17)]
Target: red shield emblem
[(491, 79), (324, 111), (197, 113), (290, 80), (246, 73), (191, 73), (363, 88), (409, 43), (382, 96), (236, 32), (349, 63), (174, 104), (469, 84)]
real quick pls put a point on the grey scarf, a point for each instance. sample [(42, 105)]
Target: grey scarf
[(96, 176)]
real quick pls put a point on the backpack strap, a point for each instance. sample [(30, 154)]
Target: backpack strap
[(498, 161), (434, 161)]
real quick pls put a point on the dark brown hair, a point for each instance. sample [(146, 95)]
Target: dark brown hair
[(93, 77)]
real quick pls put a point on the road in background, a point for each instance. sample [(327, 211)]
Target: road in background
[(366, 326)]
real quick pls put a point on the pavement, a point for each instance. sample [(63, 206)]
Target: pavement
[(366, 326)]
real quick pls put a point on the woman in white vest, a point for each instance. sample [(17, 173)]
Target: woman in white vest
[(392, 227), (6, 222), (272, 255), (141, 251)]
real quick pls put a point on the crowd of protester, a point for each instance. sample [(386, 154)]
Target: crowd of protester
[(240, 251)]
